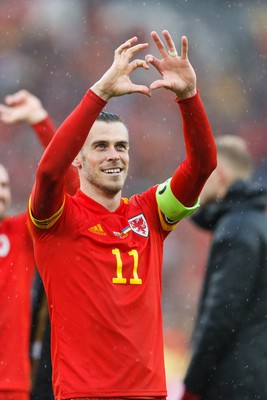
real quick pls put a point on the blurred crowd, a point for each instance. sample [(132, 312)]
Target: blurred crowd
[(58, 48)]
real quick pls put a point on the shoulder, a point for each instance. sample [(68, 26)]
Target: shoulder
[(147, 197), (16, 221), (146, 204)]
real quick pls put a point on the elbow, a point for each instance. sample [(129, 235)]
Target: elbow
[(206, 169), (213, 164), (46, 174), (210, 165)]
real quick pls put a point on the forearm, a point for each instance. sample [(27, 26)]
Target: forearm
[(44, 130), (190, 177), (70, 136), (48, 191)]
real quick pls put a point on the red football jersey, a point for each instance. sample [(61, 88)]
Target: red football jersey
[(105, 268), (16, 277)]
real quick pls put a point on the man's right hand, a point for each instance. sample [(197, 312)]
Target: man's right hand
[(22, 106), (116, 81)]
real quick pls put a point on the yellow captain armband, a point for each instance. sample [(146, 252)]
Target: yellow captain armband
[(48, 222), (170, 206)]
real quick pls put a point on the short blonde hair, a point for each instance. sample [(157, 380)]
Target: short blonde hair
[(233, 150)]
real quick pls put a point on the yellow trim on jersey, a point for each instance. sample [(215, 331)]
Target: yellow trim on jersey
[(170, 206), (48, 222), (166, 226)]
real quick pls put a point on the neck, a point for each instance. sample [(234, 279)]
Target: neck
[(110, 201)]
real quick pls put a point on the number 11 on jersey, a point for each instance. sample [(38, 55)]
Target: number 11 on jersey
[(119, 279)]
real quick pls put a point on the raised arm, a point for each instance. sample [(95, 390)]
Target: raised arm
[(24, 107), (179, 76), (48, 192)]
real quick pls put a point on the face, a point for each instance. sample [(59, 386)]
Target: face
[(104, 159), (5, 195)]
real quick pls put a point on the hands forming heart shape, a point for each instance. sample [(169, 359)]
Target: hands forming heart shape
[(177, 73)]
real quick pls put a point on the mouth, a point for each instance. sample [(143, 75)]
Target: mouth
[(112, 171)]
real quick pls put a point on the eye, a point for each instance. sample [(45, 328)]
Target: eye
[(4, 185), (122, 146), (101, 146)]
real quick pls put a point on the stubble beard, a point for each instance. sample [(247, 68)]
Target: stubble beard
[(107, 189), (112, 188), (3, 209), (97, 180)]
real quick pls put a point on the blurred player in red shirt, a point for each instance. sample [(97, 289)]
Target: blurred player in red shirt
[(100, 255), (17, 264)]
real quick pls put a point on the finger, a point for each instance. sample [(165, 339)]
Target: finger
[(5, 114), (141, 89), (12, 115), (159, 44), (169, 41), (16, 98), (184, 47), (138, 64), (3, 109), (153, 61), (126, 45), (135, 49)]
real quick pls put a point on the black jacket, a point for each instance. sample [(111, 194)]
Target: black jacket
[(229, 360), (41, 366)]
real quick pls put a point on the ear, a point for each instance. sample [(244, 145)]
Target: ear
[(223, 180), (226, 174), (221, 174), (77, 162)]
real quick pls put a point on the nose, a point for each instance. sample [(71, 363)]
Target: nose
[(113, 154)]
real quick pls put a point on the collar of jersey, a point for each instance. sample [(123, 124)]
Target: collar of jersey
[(94, 206)]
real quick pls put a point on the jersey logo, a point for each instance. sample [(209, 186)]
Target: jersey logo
[(97, 229), (124, 233), (139, 225), (4, 245)]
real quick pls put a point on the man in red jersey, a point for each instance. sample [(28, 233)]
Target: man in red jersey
[(100, 255), (17, 265)]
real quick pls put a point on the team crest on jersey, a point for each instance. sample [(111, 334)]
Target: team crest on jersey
[(139, 225), (4, 245)]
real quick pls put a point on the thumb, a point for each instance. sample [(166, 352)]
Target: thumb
[(16, 98), (141, 89), (160, 83), (153, 61)]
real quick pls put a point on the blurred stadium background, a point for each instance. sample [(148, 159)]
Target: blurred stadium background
[(57, 48)]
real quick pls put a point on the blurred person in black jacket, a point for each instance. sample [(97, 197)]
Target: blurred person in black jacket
[(229, 347), (41, 350)]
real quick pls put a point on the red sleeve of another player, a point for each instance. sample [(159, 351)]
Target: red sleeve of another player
[(44, 130), (190, 177), (49, 188)]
